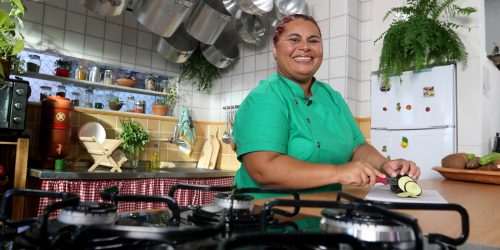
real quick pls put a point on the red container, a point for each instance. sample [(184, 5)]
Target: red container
[(62, 72), (55, 129)]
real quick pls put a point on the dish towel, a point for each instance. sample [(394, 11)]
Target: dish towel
[(186, 132)]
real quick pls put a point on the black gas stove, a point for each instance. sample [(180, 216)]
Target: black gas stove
[(231, 222)]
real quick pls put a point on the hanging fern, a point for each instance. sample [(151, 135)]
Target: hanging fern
[(420, 37), (199, 70)]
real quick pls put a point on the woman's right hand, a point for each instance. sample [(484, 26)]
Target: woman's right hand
[(358, 173)]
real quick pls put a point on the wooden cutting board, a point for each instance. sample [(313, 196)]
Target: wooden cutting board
[(215, 149), (206, 154)]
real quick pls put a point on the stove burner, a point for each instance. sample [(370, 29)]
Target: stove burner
[(229, 200), (241, 218), (366, 226), (89, 213)]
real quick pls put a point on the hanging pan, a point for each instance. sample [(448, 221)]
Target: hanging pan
[(223, 52), (178, 47), (106, 7), (255, 7), (251, 28), (207, 21), (284, 8)]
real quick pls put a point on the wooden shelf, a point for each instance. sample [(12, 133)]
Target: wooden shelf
[(88, 84)]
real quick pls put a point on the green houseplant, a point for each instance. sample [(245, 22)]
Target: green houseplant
[(115, 103), (421, 37), (200, 71), (134, 139), (166, 101), (11, 39)]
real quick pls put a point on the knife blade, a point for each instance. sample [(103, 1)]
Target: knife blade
[(387, 180)]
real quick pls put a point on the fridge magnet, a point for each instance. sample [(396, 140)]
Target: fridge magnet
[(404, 142), (408, 107), (384, 108), (388, 157), (429, 91), (427, 109), (384, 148), (398, 106)]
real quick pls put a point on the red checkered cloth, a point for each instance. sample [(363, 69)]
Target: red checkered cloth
[(89, 191)]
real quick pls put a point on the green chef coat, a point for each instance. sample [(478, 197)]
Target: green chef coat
[(277, 117)]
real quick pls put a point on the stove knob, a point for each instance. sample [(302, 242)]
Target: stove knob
[(18, 105), (20, 92), (17, 119)]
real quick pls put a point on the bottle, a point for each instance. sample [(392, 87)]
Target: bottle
[(44, 92), (61, 91), (81, 73), (33, 64), (108, 76), (496, 146), (155, 160), (88, 98)]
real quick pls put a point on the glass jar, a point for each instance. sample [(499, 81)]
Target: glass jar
[(44, 92), (61, 91), (150, 83), (33, 63), (140, 107), (81, 73), (108, 76), (130, 104), (87, 98), (75, 98), (163, 86)]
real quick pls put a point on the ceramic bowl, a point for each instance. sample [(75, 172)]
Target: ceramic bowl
[(94, 129), (126, 82)]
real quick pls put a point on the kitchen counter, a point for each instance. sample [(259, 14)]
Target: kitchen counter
[(480, 200), (81, 173)]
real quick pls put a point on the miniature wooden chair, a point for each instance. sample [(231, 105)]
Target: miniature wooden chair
[(105, 154)]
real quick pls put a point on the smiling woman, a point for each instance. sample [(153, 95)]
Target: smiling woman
[(295, 132)]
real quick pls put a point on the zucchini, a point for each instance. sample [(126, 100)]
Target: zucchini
[(489, 159), (406, 187), (403, 180), (404, 195), (413, 188)]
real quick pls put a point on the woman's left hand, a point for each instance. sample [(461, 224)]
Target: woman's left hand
[(402, 167)]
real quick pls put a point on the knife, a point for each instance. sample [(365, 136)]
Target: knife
[(387, 180)]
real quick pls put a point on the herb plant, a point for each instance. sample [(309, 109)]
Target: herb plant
[(133, 135), (11, 40), (199, 70), (63, 64), (419, 37), (169, 97)]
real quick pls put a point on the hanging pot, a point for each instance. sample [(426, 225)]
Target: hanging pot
[(251, 28), (163, 17), (207, 21), (255, 7), (232, 8), (284, 8), (223, 52), (106, 7), (177, 48)]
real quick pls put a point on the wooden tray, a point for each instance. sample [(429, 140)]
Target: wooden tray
[(492, 177)]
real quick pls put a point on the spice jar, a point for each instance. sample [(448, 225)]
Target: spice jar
[(33, 64), (163, 86), (140, 107), (130, 104), (150, 83), (108, 76), (87, 99), (81, 73), (61, 91), (76, 98), (44, 92)]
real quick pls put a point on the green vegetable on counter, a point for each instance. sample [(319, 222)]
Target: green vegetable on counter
[(489, 159)]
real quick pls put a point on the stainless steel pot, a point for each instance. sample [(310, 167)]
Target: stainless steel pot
[(177, 48), (284, 8), (163, 17), (251, 28), (223, 52), (106, 7), (207, 21), (232, 8), (255, 7)]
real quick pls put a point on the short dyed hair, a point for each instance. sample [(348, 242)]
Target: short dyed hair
[(280, 27)]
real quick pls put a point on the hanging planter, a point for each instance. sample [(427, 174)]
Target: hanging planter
[(420, 37)]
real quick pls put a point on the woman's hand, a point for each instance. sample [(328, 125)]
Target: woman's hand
[(358, 173), (402, 167)]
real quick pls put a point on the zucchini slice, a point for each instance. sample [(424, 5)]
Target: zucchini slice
[(403, 180), (404, 195), (413, 188)]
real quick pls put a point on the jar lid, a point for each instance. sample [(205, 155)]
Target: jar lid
[(34, 56), (45, 87), (75, 93)]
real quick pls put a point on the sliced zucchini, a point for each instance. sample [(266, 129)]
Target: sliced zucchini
[(404, 195), (413, 188), (403, 180)]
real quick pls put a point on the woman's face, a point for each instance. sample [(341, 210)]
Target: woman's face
[(299, 51)]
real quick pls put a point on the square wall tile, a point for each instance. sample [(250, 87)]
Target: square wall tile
[(32, 35), (144, 40), (52, 39), (226, 99), (78, 8), (157, 61), (129, 20), (365, 50), (338, 46), (54, 17), (214, 101), (259, 76), (200, 99), (364, 91), (364, 109), (95, 27), (112, 50), (225, 84), (365, 70), (352, 68), (75, 22), (324, 27), (352, 47), (129, 36), (93, 46), (57, 3), (236, 82), (365, 31), (353, 106), (261, 61), (339, 84), (115, 19), (74, 41), (128, 54), (237, 66), (352, 89), (352, 8), (338, 7), (143, 57), (322, 73), (216, 86), (338, 67), (249, 64), (338, 26), (365, 11), (246, 49), (320, 10), (34, 12), (353, 27), (236, 97), (271, 60), (249, 80), (113, 32), (91, 13)]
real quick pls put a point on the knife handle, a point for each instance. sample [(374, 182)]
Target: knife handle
[(381, 180)]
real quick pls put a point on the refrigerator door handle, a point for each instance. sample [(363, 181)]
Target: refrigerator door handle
[(426, 128)]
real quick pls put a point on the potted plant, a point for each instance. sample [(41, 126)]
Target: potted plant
[(163, 103), (419, 38), (11, 39), (115, 103), (134, 139), (198, 69), (63, 68)]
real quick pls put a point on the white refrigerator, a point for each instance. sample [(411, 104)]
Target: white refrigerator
[(416, 118)]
